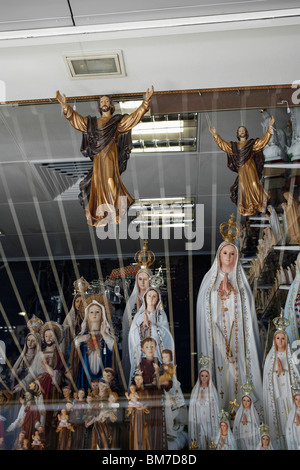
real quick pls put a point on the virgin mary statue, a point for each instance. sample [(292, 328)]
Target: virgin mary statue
[(227, 329), (292, 306)]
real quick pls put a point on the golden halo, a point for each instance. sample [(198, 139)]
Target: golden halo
[(54, 326)]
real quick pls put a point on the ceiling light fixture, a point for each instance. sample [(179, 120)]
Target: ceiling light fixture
[(101, 65)]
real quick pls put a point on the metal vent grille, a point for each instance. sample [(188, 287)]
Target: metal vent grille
[(61, 179), (103, 65)]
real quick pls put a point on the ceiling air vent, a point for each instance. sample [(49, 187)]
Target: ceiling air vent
[(60, 180), (103, 65)]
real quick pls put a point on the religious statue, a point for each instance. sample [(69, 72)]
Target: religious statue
[(21, 366), (48, 364), (109, 376), (293, 421), (92, 350), (134, 303), (144, 259), (137, 410), (47, 369), (280, 374), (150, 320), (227, 327), (245, 158), (28, 416), (204, 408), (132, 396), (167, 370), (107, 142), (292, 305), (73, 320), (64, 430), (77, 418), (102, 418), (246, 421), (36, 441), (265, 440), (275, 224), (149, 367), (292, 218), (224, 439)]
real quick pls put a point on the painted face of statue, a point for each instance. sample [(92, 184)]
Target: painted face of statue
[(31, 342), (81, 394), (265, 441), (27, 396), (242, 132), (49, 337), (297, 401), (138, 379), (151, 300), (223, 428), (143, 281), (104, 104), (77, 302), (107, 376), (280, 341), (166, 358), (149, 349), (94, 314), (103, 389), (66, 392), (246, 401), (228, 256), (204, 378)]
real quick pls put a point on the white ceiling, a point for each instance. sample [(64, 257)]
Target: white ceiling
[(173, 46)]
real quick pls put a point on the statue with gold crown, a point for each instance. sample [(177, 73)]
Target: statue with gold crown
[(264, 440), (150, 328), (224, 439), (204, 408), (293, 422), (144, 259), (226, 322), (280, 375), (246, 422)]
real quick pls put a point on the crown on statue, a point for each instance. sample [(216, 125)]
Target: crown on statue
[(224, 416), (35, 324), (193, 445), (144, 257), (230, 230), (212, 445), (295, 389), (247, 388), (281, 323), (204, 362), (264, 429), (138, 372), (81, 285)]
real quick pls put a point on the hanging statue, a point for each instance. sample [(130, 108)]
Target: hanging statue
[(245, 158), (107, 142)]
